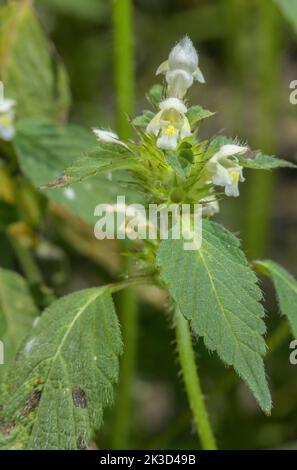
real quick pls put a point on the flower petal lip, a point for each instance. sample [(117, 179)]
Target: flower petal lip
[(109, 137), (229, 150), (183, 56), (173, 103), (105, 136)]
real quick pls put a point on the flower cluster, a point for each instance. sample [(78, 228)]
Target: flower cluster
[(180, 70), (7, 130), (171, 126)]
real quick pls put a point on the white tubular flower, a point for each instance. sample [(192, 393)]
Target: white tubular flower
[(210, 206), (224, 169), (7, 130), (108, 137), (172, 122), (181, 68)]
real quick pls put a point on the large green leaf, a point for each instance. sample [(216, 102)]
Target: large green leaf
[(30, 72), (45, 150), (17, 313), (286, 289), (217, 292), (64, 375)]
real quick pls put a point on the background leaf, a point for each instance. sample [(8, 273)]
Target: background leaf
[(28, 68), (217, 292), (64, 375), (17, 312), (286, 290), (45, 150), (289, 10)]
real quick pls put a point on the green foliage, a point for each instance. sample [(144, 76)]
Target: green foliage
[(144, 119), (8, 214), (64, 375), (45, 149), (289, 10), (286, 290), (17, 312), (264, 162), (106, 158), (27, 66), (155, 95), (215, 290), (196, 114)]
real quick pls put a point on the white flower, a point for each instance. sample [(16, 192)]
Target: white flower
[(7, 130), (181, 68), (224, 170), (172, 122), (210, 206), (108, 137)]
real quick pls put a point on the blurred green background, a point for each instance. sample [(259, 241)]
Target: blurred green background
[(247, 51)]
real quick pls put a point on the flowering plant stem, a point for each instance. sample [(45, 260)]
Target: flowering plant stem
[(124, 85), (192, 382)]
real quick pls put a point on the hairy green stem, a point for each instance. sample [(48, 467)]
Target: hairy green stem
[(124, 84), (123, 64), (192, 383)]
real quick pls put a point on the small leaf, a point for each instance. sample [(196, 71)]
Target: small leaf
[(215, 290), (264, 162), (8, 214), (156, 95), (144, 119), (286, 290), (29, 71), (197, 113), (180, 161), (64, 375), (17, 312)]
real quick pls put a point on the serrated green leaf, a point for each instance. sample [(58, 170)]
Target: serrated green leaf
[(29, 71), (8, 214), (45, 150), (217, 292), (197, 113), (264, 162), (156, 95), (17, 312), (64, 375), (286, 290), (144, 119)]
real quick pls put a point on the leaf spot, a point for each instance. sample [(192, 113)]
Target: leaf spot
[(79, 397)]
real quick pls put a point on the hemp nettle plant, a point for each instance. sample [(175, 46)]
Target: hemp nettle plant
[(63, 375)]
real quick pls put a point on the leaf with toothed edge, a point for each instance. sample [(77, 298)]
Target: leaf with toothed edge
[(217, 292), (64, 375), (286, 289)]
